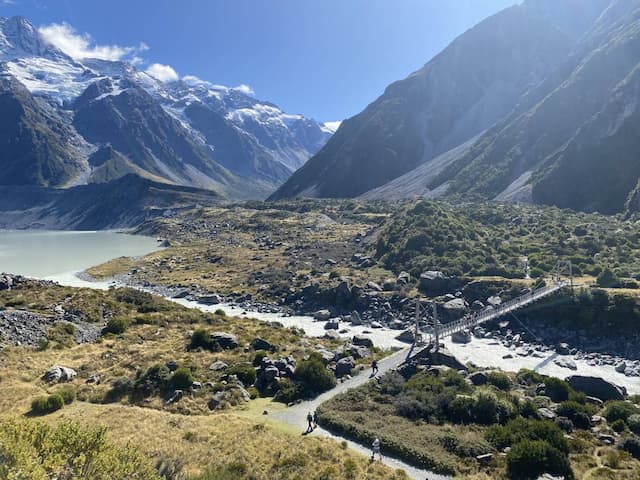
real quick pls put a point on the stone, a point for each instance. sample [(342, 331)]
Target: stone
[(355, 318), (209, 299), (359, 352), (407, 336), (477, 305), (621, 367), (331, 335), (563, 349), (174, 397), (494, 301), (404, 278), (345, 366), (389, 285), (261, 344), (327, 356), (225, 340), (566, 363), (333, 324), (270, 373), (58, 374), (196, 385), (606, 439), (597, 387), (461, 337), (478, 378), (546, 414), (376, 325), (374, 286), (218, 366), (95, 379), (322, 315), (362, 341), (455, 308)]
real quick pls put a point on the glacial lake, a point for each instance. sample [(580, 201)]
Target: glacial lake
[(60, 255)]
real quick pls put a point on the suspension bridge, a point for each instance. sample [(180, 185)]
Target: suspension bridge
[(561, 279)]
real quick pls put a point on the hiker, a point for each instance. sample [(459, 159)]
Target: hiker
[(315, 420), (310, 422), (376, 449), (374, 368)]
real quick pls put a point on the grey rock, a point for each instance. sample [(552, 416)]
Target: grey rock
[(322, 315), (261, 344), (218, 366), (363, 341), (597, 387), (566, 363), (225, 340), (345, 366), (461, 337), (333, 324), (478, 378), (58, 374)]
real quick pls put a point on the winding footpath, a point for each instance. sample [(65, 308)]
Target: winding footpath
[(297, 414)]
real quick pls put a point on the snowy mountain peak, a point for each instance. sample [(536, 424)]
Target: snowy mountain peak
[(19, 38)]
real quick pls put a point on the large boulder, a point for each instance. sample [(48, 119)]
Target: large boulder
[(362, 341), (218, 366), (58, 374), (327, 356), (345, 366), (455, 309), (210, 299), (597, 387), (333, 324), (566, 363), (322, 315), (261, 344), (478, 378), (463, 336), (225, 340)]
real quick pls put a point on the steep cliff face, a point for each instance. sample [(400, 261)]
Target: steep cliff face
[(466, 89)]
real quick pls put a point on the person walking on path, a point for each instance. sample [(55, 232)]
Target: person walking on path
[(310, 422), (374, 368), (375, 448), (315, 420)]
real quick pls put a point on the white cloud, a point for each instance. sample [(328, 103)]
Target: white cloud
[(164, 73), (5, 3), (246, 89), (79, 46)]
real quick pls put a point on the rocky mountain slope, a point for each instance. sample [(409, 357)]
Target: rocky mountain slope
[(68, 122), (537, 103)]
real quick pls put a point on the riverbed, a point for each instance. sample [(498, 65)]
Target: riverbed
[(61, 256)]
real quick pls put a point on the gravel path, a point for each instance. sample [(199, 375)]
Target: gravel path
[(297, 415)]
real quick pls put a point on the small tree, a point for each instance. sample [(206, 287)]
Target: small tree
[(313, 376), (182, 378)]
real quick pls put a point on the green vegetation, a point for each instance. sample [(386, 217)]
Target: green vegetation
[(37, 451), (490, 239), (313, 377), (116, 325), (530, 458), (47, 404)]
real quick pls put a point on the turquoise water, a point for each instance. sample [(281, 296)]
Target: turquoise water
[(59, 255)]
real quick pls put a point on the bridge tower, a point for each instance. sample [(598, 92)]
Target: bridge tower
[(564, 269)]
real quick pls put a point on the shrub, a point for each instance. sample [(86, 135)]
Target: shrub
[(288, 391), (313, 376), (253, 393), (530, 458), (608, 279), (47, 404), (578, 413), (529, 377), (116, 325), (220, 312), (556, 389), (202, 339), (460, 409), (619, 410), (565, 424), (633, 422), (182, 378), (68, 394), (245, 373), (410, 407), (35, 450), (619, 426), (485, 408), (519, 429), (258, 357), (632, 445), (499, 380)]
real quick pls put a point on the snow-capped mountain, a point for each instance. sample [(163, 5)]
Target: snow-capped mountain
[(106, 119)]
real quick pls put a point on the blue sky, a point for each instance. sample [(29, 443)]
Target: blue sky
[(326, 59)]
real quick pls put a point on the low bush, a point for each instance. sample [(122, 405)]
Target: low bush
[(578, 413), (619, 410), (288, 391), (201, 338), (529, 459), (499, 380), (34, 450), (182, 378), (116, 325), (68, 394), (631, 445), (556, 389), (619, 426), (633, 422), (519, 429), (47, 404), (245, 373), (313, 376), (258, 357), (529, 377)]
